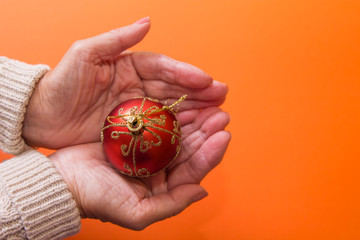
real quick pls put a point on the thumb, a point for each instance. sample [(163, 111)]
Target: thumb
[(114, 42)]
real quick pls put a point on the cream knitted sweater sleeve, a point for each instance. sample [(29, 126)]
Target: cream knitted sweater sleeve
[(17, 82), (35, 202)]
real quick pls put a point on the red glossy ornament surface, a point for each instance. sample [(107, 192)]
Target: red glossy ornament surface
[(141, 137)]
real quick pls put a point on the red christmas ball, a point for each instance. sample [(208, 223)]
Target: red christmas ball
[(141, 137)]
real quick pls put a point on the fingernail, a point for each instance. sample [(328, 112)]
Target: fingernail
[(219, 83), (143, 20)]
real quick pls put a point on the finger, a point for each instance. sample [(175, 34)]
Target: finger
[(110, 44), (187, 117), (196, 134), (152, 66), (194, 138), (205, 123), (201, 162), (163, 90), (169, 204)]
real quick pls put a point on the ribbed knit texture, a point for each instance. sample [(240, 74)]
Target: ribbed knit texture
[(17, 82), (34, 200)]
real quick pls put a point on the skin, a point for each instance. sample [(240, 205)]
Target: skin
[(70, 103), (102, 193)]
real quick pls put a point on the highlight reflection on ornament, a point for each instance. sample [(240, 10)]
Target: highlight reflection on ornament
[(141, 136)]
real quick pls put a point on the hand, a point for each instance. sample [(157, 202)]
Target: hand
[(71, 102), (103, 193)]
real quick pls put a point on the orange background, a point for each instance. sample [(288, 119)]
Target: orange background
[(293, 70)]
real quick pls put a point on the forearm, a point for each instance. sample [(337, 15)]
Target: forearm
[(17, 83), (35, 201)]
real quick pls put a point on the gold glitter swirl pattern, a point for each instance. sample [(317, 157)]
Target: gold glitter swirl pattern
[(136, 125)]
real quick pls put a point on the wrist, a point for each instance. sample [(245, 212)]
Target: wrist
[(36, 127), (17, 83), (31, 131), (61, 159)]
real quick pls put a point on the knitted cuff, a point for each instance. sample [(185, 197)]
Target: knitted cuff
[(17, 82), (39, 196)]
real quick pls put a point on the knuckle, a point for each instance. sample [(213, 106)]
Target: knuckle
[(138, 225), (137, 222), (81, 50), (78, 45)]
